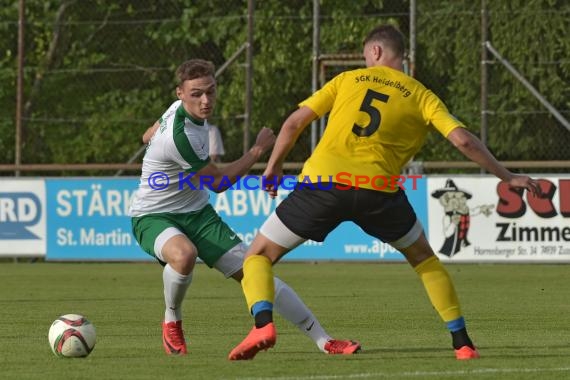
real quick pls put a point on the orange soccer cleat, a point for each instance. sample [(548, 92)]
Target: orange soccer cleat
[(466, 353), (173, 338), (258, 339), (342, 347)]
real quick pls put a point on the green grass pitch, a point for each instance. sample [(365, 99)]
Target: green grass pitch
[(518, 315)]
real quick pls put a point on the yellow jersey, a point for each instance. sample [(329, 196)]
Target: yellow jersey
[(379, 118)]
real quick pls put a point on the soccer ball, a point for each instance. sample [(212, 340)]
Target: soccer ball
[(71, 336)]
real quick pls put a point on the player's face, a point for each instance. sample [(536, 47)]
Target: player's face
[(198, 96)]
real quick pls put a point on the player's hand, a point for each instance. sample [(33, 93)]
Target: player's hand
[(525, 182), (271, 180), (265, 139)]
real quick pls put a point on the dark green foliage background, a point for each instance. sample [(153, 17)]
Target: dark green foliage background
[(98, 73)]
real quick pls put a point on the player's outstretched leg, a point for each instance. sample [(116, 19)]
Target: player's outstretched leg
[(440, 290), (293, 309), (443, 297), (259, 290)]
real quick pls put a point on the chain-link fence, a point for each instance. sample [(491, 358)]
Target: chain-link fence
[(97, 73)]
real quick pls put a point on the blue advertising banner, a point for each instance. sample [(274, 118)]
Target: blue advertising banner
[(88, 220), (245, 208)]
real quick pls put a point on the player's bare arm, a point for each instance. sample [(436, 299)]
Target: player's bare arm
[(290, 131), (150, 132), (227, 175), (476, 151)]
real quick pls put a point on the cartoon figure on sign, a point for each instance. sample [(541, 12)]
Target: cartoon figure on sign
[(457, 216)]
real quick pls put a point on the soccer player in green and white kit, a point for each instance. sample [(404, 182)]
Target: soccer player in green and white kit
[(178, 225)]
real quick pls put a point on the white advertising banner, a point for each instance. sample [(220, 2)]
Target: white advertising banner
[(482, 219), (22, 217)]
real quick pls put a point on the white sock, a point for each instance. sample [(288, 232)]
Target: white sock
[(175, 286), (292, 308)]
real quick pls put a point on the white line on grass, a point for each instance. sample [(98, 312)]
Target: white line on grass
[(481, 371)]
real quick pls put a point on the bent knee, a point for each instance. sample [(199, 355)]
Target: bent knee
[(186, 254), (182, 255)]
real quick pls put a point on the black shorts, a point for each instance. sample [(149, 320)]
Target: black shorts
[(313, 213)]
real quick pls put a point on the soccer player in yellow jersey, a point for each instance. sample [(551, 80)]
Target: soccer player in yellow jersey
[(378, 120)]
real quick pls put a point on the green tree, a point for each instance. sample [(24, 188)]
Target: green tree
[(98, 73), (8, 59), (532, 36)]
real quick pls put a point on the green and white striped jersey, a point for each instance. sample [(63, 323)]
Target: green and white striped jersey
[(179, 147)]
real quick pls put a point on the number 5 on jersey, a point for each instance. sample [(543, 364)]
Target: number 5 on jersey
[(372, 111)]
